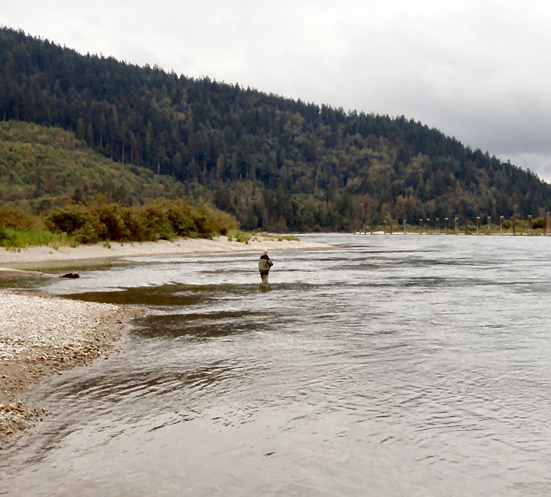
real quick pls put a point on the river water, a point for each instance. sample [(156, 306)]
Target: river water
[(387, 366)]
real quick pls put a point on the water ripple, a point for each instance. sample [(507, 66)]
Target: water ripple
[(412, 365)]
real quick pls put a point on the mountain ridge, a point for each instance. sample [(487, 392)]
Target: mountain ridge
[(273, 162)]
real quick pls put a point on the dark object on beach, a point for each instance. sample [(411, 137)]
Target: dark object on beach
[(70, 275)]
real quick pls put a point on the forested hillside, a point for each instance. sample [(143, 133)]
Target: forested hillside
[(44, 167), (275, 163)]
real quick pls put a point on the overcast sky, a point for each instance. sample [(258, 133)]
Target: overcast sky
[(478, 70)]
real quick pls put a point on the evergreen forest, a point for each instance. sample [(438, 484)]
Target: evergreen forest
[(274, 163)]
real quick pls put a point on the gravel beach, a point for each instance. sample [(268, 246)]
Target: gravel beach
[(41, 336)]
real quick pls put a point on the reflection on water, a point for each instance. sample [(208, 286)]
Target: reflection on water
[(407, 366)]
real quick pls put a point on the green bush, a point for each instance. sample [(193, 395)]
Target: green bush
[(109, 222), (538, 223), (3, 234), (16, 218), (212, 222), (135, 225), (85, 235), (66, 219), (181, 218), (242, 237)]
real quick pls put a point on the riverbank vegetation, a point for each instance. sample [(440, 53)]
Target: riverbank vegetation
[(247, 236), (105, 221)]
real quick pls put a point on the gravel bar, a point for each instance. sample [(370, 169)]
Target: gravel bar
[(41, 336)]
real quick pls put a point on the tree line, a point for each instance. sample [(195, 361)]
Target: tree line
[(275, 163)]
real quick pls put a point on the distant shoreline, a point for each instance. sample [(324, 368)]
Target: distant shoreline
[(451, 233)]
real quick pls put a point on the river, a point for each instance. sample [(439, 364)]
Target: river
[(414, 365)]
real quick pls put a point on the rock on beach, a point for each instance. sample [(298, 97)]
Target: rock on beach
[(41, 336)]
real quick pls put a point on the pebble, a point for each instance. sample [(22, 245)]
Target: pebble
[(42, 335)]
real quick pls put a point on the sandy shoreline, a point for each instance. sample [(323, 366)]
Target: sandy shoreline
[(22, 257), (41, 335)]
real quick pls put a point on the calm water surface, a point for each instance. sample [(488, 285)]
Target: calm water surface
[(388, 366)]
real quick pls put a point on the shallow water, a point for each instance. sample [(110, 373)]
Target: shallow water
[(388, 366)]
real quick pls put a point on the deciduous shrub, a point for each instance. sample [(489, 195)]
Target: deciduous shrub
[(538, 223), (108, 221), (67, 219), (160, 219), (16, 218)]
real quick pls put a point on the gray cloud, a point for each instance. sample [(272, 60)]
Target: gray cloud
[(475, 70)]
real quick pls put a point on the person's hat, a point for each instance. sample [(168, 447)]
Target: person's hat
[(265, 251)]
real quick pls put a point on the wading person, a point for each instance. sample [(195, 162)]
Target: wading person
[(264, 265)]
